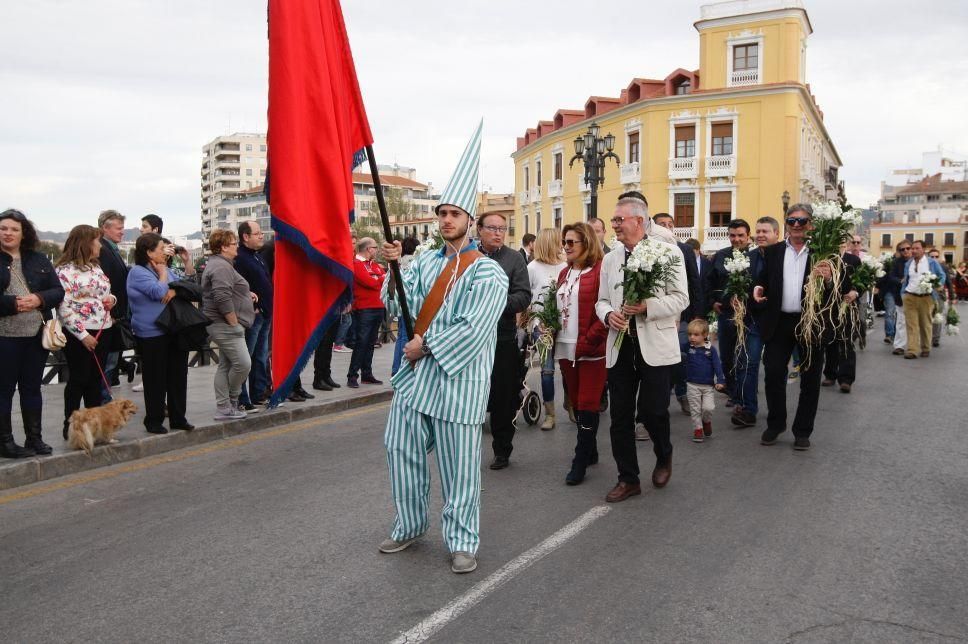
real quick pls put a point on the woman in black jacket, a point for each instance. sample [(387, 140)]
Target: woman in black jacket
[(29, 289)]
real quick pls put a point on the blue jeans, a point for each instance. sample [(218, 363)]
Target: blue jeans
[(748, 370), (727, 353), (257, 343), (890, 315), (402, 339), (110, 366), (344, 335), (366, 323)]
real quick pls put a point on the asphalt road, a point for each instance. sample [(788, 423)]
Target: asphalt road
[(272, 536)]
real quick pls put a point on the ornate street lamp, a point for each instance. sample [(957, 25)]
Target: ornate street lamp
[(786, 202), (593, 150)]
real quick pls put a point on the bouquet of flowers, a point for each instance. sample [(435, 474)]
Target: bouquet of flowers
[(887, 261), (434, 241), (738, 283), (927, 284), (651, 267), (832, 227), (548, 316), (952, 321), (713, 324), (866, 275)]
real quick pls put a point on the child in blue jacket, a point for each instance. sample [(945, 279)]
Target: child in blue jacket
[(704, 374)]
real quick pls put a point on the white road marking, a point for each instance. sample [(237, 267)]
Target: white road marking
[(438, 620)]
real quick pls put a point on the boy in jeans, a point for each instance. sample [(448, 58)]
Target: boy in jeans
[(704, 373)]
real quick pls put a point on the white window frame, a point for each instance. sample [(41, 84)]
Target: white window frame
[(746, 39), (691, 119), (731, 188), (697, 205)]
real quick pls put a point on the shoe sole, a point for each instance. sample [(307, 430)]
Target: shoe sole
[(801, 448), (406, 544), (465, 571), (624, 498), (767, 442)]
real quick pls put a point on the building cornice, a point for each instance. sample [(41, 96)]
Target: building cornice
[(759, 16), (685, 100)]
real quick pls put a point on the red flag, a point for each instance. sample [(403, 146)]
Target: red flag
[(317, 132)]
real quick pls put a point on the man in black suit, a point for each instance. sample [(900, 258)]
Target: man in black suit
[(527, 247), (599, 227), (779, 287), (840, 358), (111, 223)]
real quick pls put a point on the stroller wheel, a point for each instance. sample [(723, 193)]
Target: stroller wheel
[(531, 408)]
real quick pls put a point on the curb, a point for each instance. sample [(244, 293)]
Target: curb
[(38, 469)]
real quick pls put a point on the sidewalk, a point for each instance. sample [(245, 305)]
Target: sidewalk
[(135, 442)]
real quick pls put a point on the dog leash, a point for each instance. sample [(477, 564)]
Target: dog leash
[(104, 379)]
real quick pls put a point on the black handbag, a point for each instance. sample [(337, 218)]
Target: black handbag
[(123, 335)]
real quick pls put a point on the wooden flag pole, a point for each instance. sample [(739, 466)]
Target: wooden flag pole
[(388, 235)]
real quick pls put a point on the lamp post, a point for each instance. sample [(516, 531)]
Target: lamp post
[(786, 201), (593, 150)]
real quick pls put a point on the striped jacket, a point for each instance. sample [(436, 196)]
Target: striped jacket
[(454, 382)]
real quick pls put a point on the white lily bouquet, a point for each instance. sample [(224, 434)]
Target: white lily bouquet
[(434, 241), (887, 261), (952, 322), (866, 275), (927, 284), (651, 266), (738, 284)]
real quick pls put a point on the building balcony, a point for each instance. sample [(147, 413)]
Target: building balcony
[(630, 172), (583, 186), (721, 166), (524, 197), (227, 147), (744, 77), (535, 195), (683, 168), (682, 234), (555, 188), (222, 159), (715, 237)]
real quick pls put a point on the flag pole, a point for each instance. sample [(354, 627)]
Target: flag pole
[(388, 235)]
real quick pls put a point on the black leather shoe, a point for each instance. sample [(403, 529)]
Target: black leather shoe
[(370, 380), (768, 437), (499, 463), (10, 449), (305, 394), (321, 386), (801, 444), (156, 429), (352, 383), (296, 397), (186, 426), (332, 383), (39, 447)]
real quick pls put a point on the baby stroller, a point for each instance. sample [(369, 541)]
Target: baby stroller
[(530, 377)]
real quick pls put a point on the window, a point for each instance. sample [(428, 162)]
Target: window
[(720, 208), (248, 147), (537, 222), (526, 229), (527, 182), (537, 172), (949, 239), (746, 57), (949, 258), (634, 147), (685, 209), (262, 172), (262, 148), (934, 197), (248, 172), (685, 141), (722, 139), (886, 240), (557, 214), (909, 237), (683, 87), (556, 160), (929, 239)]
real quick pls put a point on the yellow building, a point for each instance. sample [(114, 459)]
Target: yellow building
[(721, 142)]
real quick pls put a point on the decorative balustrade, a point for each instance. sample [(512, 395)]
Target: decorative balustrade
[(743, 77), (523, 197), (630, 172), (582, 186), (686, 233), (535, 195), (683, 168), (721, 166), (555, 188)]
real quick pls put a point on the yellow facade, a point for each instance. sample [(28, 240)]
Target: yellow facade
[(778, 140)]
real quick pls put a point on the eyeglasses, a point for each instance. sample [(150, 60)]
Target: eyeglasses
[(797, 221), (568, 243), (496, 229), (617, 221), (855, 242), (906, 250)]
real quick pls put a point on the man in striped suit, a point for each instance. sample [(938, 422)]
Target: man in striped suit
[(441, 392)]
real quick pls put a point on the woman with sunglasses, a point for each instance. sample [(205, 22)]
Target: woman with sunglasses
[(28, 291), (543, 271), (580, 347)]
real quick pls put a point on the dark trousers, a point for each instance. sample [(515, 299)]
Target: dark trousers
[(366, 323), (323, 357), (23, 369), (631, 376), (840, 362), (776, 356), (84, 379), (727, 352), (164, 369), (679, 370), (504, 398)]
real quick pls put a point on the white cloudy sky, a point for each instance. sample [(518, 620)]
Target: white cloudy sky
[(106, 103)]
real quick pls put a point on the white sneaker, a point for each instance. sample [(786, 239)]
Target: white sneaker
[(641, 434), (139, 387), (225, 413)]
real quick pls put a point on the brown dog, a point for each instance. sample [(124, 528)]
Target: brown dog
[(98, 425)]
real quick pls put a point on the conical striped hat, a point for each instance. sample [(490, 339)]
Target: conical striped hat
[(461, 190)]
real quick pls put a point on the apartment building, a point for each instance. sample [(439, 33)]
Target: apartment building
[(231, 165)]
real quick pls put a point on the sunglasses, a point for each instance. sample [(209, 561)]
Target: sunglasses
[(568, 243), (797, 221), (906, 250)]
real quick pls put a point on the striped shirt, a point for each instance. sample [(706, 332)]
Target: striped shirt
[(453, 384)]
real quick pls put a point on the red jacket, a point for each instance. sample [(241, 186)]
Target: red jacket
[(591, 332), (367, 281)]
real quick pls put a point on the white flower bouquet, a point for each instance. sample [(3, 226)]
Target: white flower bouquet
[(952, 321), (652, 266), (434, 241), (738, 284), (887, 261), (548, 316), (927, 284), (866, 275)]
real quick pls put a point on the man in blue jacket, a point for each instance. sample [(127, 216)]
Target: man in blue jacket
[(918, 305)]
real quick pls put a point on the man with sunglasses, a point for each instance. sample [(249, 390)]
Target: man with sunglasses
[(504, 399), (779, 288), (890, 288)]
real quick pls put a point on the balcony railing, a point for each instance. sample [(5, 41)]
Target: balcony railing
[(582, 186), (686, 233), (630, 172), (721, 166), (718, 235), (683, 168), (535, 195), (744, 77), (523, 197), (555, 188)]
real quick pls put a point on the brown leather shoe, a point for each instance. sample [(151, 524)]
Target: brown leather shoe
[(622, 491), (661, 474), (845, 387), (707, 427), (827, 382), (925, 354)]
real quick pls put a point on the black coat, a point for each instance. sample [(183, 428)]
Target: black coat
[(41, 280), (117, 273), (183, 319), (695, 308)]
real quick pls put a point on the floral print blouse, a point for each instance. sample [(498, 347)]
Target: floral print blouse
[(85, 290)]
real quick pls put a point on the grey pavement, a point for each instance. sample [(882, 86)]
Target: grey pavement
[(273, 538)]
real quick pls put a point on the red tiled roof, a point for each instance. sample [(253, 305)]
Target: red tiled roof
[(388, 180), (934, 185)]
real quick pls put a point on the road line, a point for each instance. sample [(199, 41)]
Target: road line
[(181, 455), (438, 620)]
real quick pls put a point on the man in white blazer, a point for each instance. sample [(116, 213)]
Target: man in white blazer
[(648, 353)]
